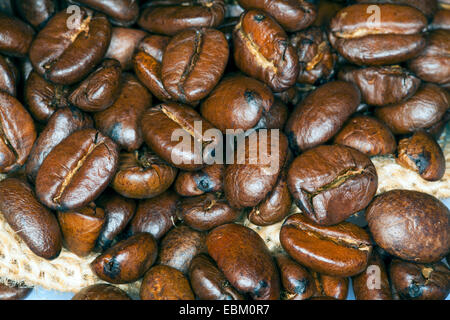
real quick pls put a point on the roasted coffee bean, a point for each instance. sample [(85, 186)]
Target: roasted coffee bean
[(329, 286), (168, 121), (77, 170), (422, 154), (155, 216), (367, 135), (242, 255), (238, 102), (341, 250), (383, 85), (170, 17), (315, 58), (8, 77), (438, 128), (275, 118), (441, 20), (142, 174), (262, 50), (248, 182), (81, 228), (128, 260), (193, 63), (120, 12), (427, 7), (330, 183), (17, 133), (62, 124), (356, 34), (124, 42), (98, 91), (321, 114), (121, 121), (15, 36), (373, 283), (420, 281), (196, 183), (421, 111), (101, 291), (206, 212), (66, 51), (13, 292), (36, 12), (147, 64), (208, 282), (411, 225), (326, 10), (34, 223), (298, 284), (433, 63), (165, 283), (43, 98)]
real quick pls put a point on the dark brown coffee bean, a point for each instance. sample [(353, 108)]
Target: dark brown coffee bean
[(98, 91), (326, 10), (321, 114), (13, 292), (120, 12), (410, 225), (34, 223), (275, 118), (427, 7), (384, 85), (101, 291), (124, 42), (36, 12), (62, 124), (77, 170), (329, 286), (341, 250), (156, 216), (8, 76), (262, 50), (17, 133), (15, 36), (298, 284), (128, 260), (422, 154), (81, 228), (196, 183), (241, 254), (441, 20), (193, 63), (67, 49), (165, 283), (170, 17), (330, 183), (420, 281), (367, 135)]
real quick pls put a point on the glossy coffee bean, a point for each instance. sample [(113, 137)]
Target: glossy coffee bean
[(298, 284), (12, 292), (367, 135), (326, 10), (34, 223), (208, 282), (275, 118), (321, 114), (101, 291), (356, 35), (165, 283), (341, 250), (61, 124), (381, 86), (17, 133), (422, 154), (170, 17), (124, 42), (206, 212), (241, 254), (100, 89), (193, 63), (15, 36), (155, 216), (420, 281), (77, 170), (65, 51), (120, 12), (81, 228), (410, 225), (329, 286), (441, 20), (422, 110), (330, 183), (427, 7), (262, 50), (196, 183), (8, 77), (238, 102), (128, 260), (36, 12)]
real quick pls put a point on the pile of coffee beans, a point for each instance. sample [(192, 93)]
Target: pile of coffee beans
[(147, 132)]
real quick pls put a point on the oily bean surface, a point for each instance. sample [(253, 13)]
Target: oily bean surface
[(101, 291), (12, 292)]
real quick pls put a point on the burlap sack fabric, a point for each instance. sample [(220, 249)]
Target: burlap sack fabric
[(70, 273)]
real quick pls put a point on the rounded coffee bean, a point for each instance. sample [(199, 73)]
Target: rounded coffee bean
[(34, 223), (128, 260), (120, 12), (36, 12), (411, 225), (329, 286), (195, 183), (441, 20), (124, 42), (101, 291), (275, 118), (15, 36), (298, 284), (77, 170), (427, 7), (341, 250), (8, 77), (13, 292)]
